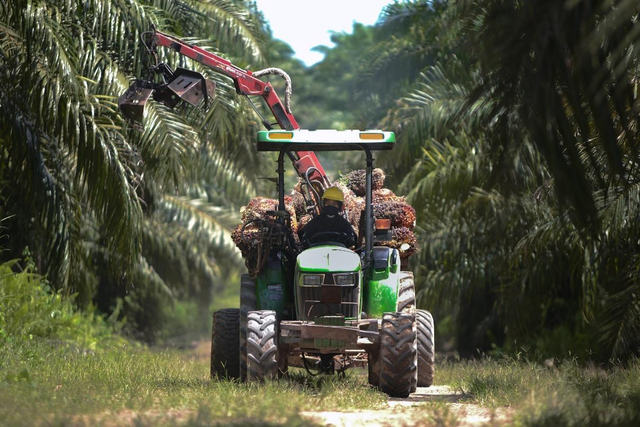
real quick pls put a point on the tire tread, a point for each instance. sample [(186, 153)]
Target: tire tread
[(426, 348), (225, 357), (262, 345)]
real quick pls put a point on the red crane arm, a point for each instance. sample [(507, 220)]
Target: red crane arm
[(246, 84)]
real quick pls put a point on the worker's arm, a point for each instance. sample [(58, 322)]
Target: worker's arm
[(352, 238)]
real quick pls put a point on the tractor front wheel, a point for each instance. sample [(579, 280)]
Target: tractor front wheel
[(392, 368), (262, 345), (225, 354)]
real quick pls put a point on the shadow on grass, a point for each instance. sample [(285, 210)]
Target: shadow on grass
[(182, 383), (315, 383), (433, 394)]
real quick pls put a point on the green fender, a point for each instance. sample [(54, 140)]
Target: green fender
[(381, 290)]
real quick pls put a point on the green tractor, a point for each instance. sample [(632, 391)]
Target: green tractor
[(326, 308)]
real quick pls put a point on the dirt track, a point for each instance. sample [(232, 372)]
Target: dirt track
[(432, 406), (436, 405)]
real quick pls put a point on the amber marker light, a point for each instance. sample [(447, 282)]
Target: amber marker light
[(383, 224), (374, 136), (280, 135)]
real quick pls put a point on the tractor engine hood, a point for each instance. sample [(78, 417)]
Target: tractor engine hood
[(326, 259)]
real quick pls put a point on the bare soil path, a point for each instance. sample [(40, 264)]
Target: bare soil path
[(436, 405)]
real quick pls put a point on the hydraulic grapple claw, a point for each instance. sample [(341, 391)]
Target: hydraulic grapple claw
[(132, 102), (184, 85)]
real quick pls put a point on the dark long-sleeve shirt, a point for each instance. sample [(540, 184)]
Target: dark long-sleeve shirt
[(323, 223)]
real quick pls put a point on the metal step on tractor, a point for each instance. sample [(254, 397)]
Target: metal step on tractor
[(323, 307)]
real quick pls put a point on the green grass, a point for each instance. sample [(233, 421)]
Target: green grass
[(30, 309), (59, 366), (560, 394), (45, 383)]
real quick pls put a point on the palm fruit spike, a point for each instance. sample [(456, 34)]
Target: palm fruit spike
[(258, 207), (304, 220), (356, 209)]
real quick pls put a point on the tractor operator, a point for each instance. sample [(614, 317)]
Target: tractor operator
[(329, 221)]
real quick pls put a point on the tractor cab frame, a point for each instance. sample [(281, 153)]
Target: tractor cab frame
[(330, 140)]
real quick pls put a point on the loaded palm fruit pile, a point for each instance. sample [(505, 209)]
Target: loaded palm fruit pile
[(386, 205), (248, 236)]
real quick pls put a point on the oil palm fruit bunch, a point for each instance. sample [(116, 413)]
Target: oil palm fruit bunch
[(299, 204), (385, 195), (357, 180), (304, 220), (248, 240), (401, 214), (353, 205), (402, 239), (258, 207)]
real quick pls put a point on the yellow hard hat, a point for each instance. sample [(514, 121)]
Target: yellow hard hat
[(333, 193)]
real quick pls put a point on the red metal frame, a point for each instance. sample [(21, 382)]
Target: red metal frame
[(247, 84)]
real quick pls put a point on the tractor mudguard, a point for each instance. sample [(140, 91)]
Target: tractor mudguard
[(381, 291)]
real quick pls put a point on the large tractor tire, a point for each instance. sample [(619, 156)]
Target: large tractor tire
[(426, 348), (393, 367), (262, 345), (247, 304), (225, 354), (406, 294), (407, 304)]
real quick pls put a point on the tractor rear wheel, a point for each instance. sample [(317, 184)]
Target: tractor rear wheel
[(426, 348), (393, 367), (247, 304), (225, 357), (262, 345), (406, 293)]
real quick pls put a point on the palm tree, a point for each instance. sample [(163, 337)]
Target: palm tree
[(568, 71), (547, 108), (99, 203)]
